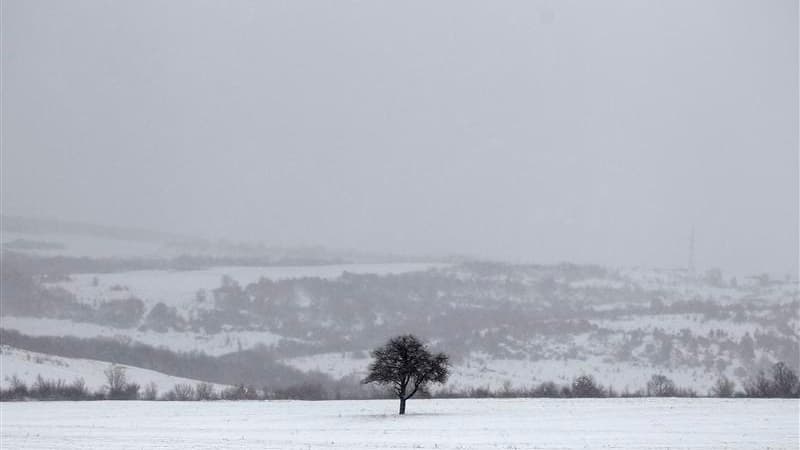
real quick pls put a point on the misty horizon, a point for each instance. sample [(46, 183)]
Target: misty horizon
[(528, 132), (176, 237)]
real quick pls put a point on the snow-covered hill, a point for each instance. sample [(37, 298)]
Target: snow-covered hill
[(502, 323), (27, 366)]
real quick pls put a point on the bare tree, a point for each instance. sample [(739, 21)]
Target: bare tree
[(78, 389), (660, 386), (784, 381), (18, 387), (586, 386), (723, 387), (407, 367), (116, 382), (205, 391), (151, 391), (759, 387), (182, 392)]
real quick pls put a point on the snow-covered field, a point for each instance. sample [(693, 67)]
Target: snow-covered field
[(441, 424), (26, 366)]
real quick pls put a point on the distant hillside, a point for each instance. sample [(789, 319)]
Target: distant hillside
[(31, 225), (501, 323), (53, 237)]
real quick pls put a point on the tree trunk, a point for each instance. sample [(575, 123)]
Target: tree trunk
[(402, 405)]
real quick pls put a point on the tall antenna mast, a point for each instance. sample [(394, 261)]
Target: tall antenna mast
[(691, 252)]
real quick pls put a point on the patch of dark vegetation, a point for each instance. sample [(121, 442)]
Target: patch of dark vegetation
[(23, 295), (255, 366)]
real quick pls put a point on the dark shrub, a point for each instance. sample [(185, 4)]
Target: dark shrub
[(120, 313), (181, 392), (205, 391), (723, 387), (784, 381), (585, 386), (161, 318), (660, 386)]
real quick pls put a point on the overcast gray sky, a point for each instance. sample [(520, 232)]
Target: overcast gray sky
[(531, 131)]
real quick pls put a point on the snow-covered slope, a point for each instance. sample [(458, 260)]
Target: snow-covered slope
[(517, 324), (27, 365)]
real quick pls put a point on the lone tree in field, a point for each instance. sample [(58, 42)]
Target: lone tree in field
[(407, 367)]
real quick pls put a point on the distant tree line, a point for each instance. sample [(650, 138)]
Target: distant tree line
[(781, 382)]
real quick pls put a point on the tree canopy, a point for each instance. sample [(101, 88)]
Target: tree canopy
[(407, 366)]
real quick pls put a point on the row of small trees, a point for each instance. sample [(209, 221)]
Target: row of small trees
[(118, 387), (585, 386), (781, 382), (46, 389)]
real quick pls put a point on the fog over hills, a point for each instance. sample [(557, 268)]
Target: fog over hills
[(314, 315)]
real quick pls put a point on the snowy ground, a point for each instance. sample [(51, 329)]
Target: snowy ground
[(26, 366), (442, 424)]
